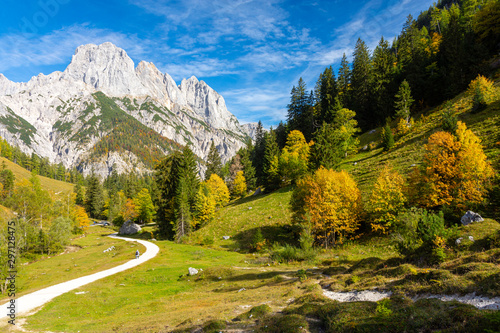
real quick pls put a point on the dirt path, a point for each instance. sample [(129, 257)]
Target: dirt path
[(31, 302)]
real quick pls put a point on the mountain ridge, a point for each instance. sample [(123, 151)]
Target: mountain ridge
[(45, 114)]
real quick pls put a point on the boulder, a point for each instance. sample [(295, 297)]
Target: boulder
[(129, 228), (471, 217), (226, 237), (192, 271)]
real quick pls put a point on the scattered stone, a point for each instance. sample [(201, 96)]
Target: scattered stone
[(458, 241), (192, 271), (242, 289), (471, 217), (249, 208), (226, 237), (365, 147), (355, 163), (129, 228), (257, 191), (270, 217), (80, 293), (413, 165), (471, 238), (373, 131)]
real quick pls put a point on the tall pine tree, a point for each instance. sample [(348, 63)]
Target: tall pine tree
[(344, 82), (214, 163), (361, 85)]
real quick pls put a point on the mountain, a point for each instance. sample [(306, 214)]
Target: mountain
[(102, 113)]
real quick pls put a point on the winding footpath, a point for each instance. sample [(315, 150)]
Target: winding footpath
[(30, 302)]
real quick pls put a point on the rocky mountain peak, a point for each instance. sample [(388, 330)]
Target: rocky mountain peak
[(107, 68)]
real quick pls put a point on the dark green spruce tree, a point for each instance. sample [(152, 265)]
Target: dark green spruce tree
[(177, 183), (326, 95), (248, 168), (94, 197), (344, 82), (214, 163), (270, 162), (361, 85), (258, 153), (300, 110), (382, 75)]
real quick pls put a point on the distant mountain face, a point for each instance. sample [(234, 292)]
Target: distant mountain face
[(102, 113)]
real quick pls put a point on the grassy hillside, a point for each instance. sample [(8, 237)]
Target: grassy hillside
[(409, 149), (56, 186)]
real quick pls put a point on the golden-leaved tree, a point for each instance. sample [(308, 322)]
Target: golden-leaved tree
[(330, 202), (386, 200), (81, 218), (455, 171), (205, 204), (294, 159), (218, 190), (239, 185)]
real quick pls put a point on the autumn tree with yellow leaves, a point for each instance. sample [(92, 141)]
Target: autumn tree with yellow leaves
[(218, 189), (294, 159), (205, 205), (239, 185), (386, 200), (455, 171), (81, 218), (330, 202)]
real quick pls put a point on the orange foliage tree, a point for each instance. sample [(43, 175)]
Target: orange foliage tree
[(386, 199), (330, 202), (455, 171)]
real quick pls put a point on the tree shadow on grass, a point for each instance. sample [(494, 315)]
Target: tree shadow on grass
[(284, 234)]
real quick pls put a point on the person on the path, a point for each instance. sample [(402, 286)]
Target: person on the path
[(137, 254)]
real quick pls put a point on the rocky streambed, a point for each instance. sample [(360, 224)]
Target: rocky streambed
[(480, 302)]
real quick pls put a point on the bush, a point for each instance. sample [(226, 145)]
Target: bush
[(286, 324), (258, 241), (417, 227), (118, 221), (449, 119), (214, 326), (387, 137), (483, 93), (289, 253)]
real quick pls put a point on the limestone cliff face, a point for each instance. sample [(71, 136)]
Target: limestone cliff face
[(65, 115)]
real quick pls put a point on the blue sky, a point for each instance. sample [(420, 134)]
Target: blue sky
[(251, 51)]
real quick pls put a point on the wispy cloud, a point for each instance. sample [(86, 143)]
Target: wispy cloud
[(266, 103), (18, 50)]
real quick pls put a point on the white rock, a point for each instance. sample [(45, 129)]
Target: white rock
[(192, 271)]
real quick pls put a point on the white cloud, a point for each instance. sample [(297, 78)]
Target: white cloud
[(266, 103), (17, 50)]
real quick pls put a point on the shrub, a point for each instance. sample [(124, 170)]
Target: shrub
[(118, 221), (449, 119), (288, 253), (258, 241), (483, 93), (387, 137)]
